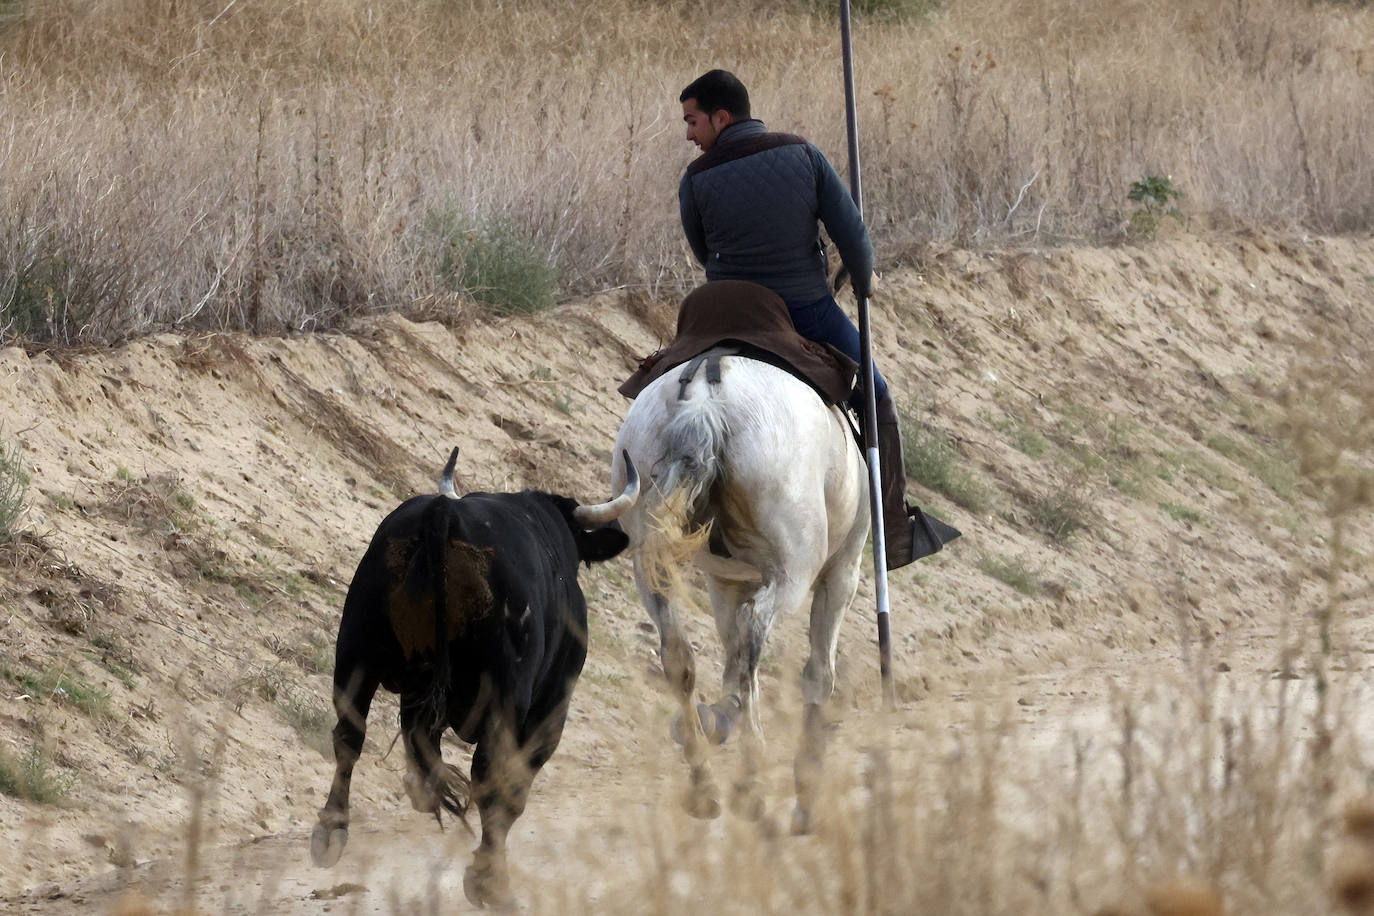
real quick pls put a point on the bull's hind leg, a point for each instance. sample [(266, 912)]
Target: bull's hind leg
[(354, 688), (502, 774), (501, 777), (679, 667), (833, 593), (430, 783)]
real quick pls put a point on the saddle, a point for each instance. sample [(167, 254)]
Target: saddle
[(754, 320)]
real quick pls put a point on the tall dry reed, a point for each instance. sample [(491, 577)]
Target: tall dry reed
[(281, 164)]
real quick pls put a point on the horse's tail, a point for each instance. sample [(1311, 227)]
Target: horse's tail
[(678, 514)]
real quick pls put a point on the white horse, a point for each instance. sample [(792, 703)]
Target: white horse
[(760, 484)]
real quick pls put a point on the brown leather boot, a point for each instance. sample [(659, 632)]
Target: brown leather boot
[(908, 532)]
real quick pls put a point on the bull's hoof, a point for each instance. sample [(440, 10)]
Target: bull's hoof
[(487, 886), (801, 821), (327, 845), (422, 792)]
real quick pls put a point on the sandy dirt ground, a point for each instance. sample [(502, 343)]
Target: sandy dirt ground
[(197, 505)]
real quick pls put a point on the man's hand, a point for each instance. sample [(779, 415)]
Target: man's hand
[(872, 287), (842, 275)]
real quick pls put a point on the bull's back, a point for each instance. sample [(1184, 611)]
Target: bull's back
[(513, 610), (537, 608), (388, 622)]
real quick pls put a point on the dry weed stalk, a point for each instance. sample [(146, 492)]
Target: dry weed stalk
[(1352, 866)]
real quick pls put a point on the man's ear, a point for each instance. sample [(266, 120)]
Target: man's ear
[(721, 120)]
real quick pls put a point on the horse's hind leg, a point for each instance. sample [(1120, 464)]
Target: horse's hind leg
[(732, 610), (833, 593), (679, 667), (754, 616)]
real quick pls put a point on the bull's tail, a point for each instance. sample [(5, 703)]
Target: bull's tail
[(678, 516), (455, 791), (435, 538)]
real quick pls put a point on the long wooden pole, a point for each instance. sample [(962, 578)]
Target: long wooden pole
[(875, 492)]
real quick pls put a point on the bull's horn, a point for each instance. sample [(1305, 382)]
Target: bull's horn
[(587, 516), (446, 479)]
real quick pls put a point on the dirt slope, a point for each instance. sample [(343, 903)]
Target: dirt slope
[(197, 505)]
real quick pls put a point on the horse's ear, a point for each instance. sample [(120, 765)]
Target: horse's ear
[(601, 543)]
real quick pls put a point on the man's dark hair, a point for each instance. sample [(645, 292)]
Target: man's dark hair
[(717, 90)]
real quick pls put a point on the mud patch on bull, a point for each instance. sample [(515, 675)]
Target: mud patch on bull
[(410, 605)]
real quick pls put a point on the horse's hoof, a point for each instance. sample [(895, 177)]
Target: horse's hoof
[(768, 827), (747, 801), (704, 716), (326, 845), (701, 804), (716, 725)]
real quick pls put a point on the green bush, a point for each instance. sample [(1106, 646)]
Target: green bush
[(312, 720), (1012, 571), (1277, 471), (35, 300), (493, 263), (56, 290), (1181, 513), (58, 687), (14, 486), (1024, 437), (932, 462), (11, 11), (1061, 513), (28, 777), (1156, 195)]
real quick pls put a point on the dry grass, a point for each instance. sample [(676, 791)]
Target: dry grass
[(281, 165), (1187, 798), (14, 486)]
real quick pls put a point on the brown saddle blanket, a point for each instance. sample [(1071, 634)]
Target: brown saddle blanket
[(734, 311)]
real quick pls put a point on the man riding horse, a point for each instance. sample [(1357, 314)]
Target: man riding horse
[(750, 206)]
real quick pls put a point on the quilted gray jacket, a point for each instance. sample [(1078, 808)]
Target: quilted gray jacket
[(750, 206)]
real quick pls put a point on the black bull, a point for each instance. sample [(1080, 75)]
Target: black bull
[(503, 567)]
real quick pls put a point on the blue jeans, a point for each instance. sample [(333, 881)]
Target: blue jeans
[(825, 322)]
